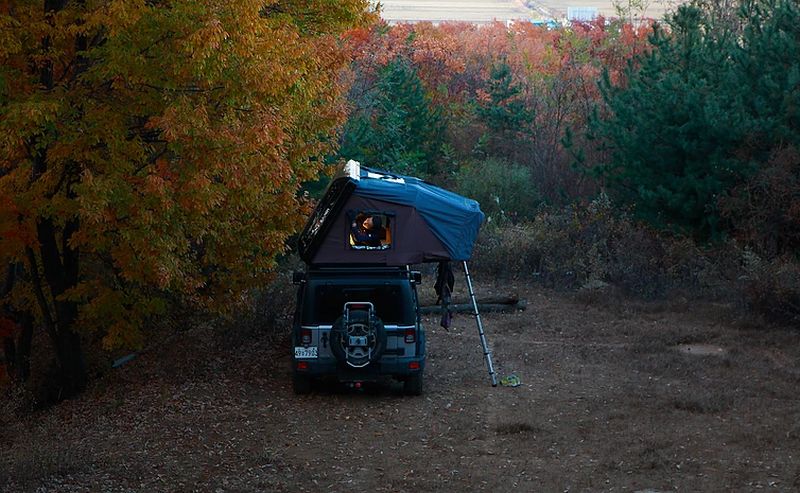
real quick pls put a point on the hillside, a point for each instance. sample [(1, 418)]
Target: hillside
[(608, 401)]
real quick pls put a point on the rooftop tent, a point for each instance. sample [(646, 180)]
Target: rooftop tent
[(419, 222), (408, 221)]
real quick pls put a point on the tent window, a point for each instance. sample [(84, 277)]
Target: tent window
[(370, 230)]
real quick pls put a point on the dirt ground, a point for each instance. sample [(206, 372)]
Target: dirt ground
[(608, 402)]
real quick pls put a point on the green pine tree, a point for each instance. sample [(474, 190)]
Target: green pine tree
[(396, 126), (769, 66), (700, 112), (505, 114), (673, 130)]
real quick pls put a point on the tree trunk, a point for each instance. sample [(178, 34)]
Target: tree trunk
[(61, 274), (10, 354), (59, 261), (22, 363), (17, 344), (72, 379), (17, 350)]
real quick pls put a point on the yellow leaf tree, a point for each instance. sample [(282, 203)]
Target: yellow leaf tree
[(152, 150)]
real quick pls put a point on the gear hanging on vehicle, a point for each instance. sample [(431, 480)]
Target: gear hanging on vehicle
[(358, 338)]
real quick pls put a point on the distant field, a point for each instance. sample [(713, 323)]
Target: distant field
[(479, 11), (482, 11)]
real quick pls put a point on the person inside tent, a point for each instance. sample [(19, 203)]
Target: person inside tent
[(367, 232)]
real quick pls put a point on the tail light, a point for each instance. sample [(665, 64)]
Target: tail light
[(302, 365), (305, 337), (411, 336), (414, 365)]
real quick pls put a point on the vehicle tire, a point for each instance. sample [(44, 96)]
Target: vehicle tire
[(360, 323), (301, 384), (412, 385)]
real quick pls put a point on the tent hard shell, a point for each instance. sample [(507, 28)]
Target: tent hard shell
[(417, 222)]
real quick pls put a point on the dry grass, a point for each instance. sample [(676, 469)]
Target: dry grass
[(515, 428)]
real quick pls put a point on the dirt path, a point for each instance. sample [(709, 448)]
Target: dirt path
[(607, 404)]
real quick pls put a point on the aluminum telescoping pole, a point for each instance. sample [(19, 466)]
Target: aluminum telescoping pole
[(486, 352)]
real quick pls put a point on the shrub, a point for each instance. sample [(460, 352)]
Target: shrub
[(771, 287), (592, 244), (510, 251), (505, 190), (764, 212), (266, 313)]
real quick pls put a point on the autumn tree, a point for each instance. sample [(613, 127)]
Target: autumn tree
[(151, 151)]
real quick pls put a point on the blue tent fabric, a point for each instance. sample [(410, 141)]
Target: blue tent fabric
[(453, 219)]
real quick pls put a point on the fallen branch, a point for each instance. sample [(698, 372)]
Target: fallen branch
[(491, 300), (482, 307)]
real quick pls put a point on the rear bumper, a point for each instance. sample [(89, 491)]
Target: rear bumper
[(396, 367)]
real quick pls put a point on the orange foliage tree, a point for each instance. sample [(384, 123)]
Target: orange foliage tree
[(549, 75), (153, 150)]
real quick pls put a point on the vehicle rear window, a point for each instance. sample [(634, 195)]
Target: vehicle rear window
[(324, 301)]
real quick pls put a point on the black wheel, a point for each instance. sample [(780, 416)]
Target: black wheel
[(301, 384), (360, 326), (413, 384)]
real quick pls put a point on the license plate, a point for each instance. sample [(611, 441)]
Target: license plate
[(358, 341), (305, 352)]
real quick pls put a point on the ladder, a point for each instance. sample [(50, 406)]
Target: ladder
[(487, 354)]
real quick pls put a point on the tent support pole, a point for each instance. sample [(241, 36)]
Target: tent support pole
[(487, 354)]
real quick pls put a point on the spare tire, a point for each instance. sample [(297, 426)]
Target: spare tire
[(359, 342)]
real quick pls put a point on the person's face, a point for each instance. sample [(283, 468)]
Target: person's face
[(368, 223)]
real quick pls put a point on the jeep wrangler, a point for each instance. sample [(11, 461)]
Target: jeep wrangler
[(357, 324)]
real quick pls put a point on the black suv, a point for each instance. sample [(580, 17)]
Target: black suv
[(357, 324)]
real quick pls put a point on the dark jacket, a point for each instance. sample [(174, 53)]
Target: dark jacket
[(366, 237)]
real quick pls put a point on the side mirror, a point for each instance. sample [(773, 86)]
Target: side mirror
[(416, 276), (298, 277)]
